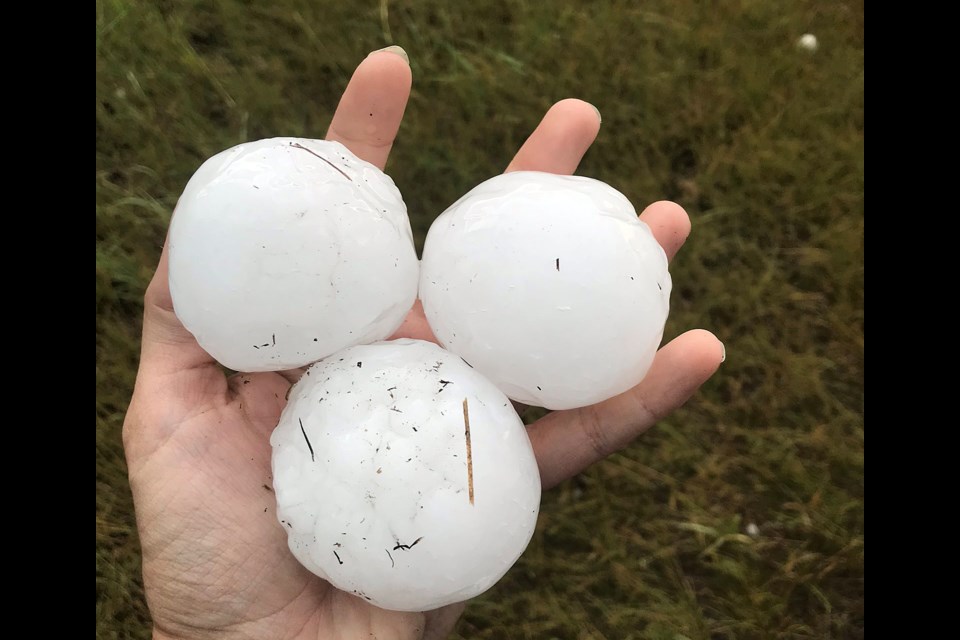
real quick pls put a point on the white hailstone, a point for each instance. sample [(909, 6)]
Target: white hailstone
[(808, 42), (549, 285), (285, 250), (404, 476)]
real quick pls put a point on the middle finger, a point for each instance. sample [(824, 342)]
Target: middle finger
[(562, 138)]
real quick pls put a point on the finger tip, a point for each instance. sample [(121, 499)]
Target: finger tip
[(560, 140), (396, 50), (669, 214), (390, 65), (576, 106), (706, 350), (578, 114), (669, 223)]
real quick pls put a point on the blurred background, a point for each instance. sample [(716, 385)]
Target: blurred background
[(739, 516)]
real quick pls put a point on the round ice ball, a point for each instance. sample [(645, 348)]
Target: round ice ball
[(404, 476), (549, 285), (285, 250)]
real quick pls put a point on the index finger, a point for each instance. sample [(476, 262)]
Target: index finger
[(371, 108)]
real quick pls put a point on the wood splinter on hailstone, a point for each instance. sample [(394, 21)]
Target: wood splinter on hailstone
[(466, 433)]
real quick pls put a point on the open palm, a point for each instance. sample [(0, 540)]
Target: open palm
[(215, 560)]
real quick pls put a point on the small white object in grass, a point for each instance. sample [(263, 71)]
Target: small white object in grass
[(285, 250), (549, 285), (753, 530), (404, 476), (808, 42)]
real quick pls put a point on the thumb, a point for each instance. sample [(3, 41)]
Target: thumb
[(168, 348), (176, 379)]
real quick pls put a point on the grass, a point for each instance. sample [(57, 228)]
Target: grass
[(709, 104)]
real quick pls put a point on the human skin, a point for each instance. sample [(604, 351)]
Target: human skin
[(215, 560)]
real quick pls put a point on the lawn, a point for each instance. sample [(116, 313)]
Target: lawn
[(739, 516)]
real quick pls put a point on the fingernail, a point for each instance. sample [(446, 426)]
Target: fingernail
[(394, 49), (723, 356), (599, 117)]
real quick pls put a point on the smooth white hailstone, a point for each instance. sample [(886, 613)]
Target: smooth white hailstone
[(285, 250), (381, 490), (549, 285), (808, 42)]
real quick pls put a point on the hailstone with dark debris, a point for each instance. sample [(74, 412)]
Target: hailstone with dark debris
[(404, 476), (285, 250)]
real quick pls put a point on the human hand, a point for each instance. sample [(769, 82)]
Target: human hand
[(215, 560)]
